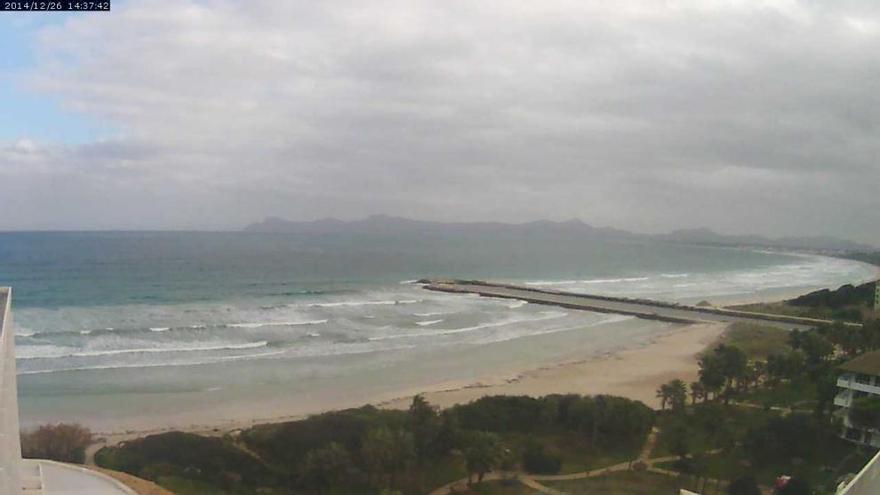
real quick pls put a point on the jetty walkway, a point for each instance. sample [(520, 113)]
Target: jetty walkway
[(641, 308)]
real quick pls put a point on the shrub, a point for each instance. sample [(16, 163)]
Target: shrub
[(795, 486), (65, 442), (537, 459), (744, 485), (188, 455)]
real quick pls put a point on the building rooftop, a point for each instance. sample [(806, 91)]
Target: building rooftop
[(868, 363)]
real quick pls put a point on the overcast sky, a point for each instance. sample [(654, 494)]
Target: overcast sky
[(745, 116)]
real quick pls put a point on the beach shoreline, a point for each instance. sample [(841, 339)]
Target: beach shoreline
[(634, 371)]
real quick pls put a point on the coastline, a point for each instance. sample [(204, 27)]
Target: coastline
[(634, 371)]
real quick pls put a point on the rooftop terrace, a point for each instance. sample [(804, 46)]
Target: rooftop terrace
[(35, 477)]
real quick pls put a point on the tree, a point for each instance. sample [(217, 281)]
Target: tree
[(673, 393), (447, 434), (539, 460), (865, 412), (423, 423), (817, 350), (698, 392), (664, 393), (677, 437), (677, 394), (387, 452), (482, 453), (744, 485), (795, 486), (711, 374), (732, 363), (323, 468), (65, 442)]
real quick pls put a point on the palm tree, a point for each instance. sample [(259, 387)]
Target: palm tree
[(698, 391), (677, 394), (664, 393)]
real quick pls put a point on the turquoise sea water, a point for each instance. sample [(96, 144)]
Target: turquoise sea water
[(116, 325)]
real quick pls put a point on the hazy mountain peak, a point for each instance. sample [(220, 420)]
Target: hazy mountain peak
[(573, 228)]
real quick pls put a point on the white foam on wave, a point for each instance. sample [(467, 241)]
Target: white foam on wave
[(24, 354), (85, 332), (275, 324), (588, 281), (675, 275), (517, 304), (159, 329), (428, 323), (153, 365), (614, 280), (551, 282), (548, 315), (608, 319), (363, 303), (432, 313), (330, 350)]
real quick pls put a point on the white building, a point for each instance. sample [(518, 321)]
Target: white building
[(866, 482), (861, 378), (35, 477), (877, 295)]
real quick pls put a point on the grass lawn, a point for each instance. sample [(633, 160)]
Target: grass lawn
[(511, 487), (821, 471), (797, 395), (852, 312), (576, 454), (624, 483), (757, 341)]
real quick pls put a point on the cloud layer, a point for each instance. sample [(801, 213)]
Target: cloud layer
[(745, 116)]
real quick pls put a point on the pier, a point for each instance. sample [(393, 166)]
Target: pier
[(641, 308)]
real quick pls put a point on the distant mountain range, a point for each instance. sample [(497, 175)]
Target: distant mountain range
[(388, 225)]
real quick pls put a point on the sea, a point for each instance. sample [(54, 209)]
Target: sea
[(128, 330)]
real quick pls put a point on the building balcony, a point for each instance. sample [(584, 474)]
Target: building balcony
[(41, 477), (844, 398), (848, 382)]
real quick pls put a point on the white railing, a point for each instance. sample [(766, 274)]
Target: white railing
[(843, 399), (867, 482), (853, 384), (10, 441)]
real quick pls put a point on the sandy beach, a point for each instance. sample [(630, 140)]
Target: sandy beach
[(632, 373)]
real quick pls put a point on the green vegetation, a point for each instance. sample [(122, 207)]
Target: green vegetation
[(847, 303), (760, 408), (65, 442), (624, 483), (373, 451), (865, 412), (818, 457), (756, 341)]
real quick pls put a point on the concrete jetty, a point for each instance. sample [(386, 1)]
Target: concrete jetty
[(641, 308)]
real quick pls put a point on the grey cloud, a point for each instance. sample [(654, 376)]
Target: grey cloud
[(748, 116)]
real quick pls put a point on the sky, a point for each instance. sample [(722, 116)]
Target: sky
[(742, 116)]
